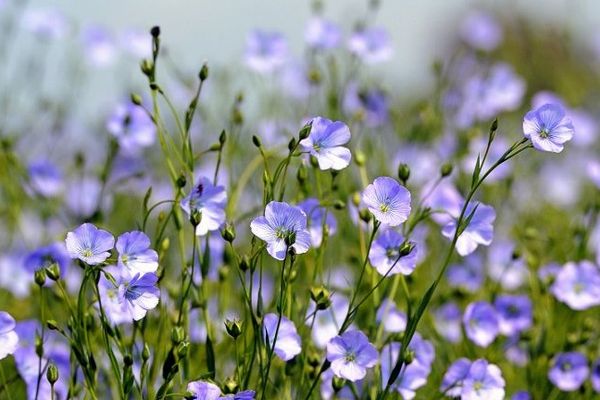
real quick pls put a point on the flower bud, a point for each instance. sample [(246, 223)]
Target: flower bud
[(245, 263), (292, 144), (356, 198), (39, 346), (446, 169), (403, 172), (222, 137), (305, 131), (52, 373), (228, 232), (223, 273), (203, 72), (53, 271), (155, 31), (409, 357), (40, 277), (337, 383), (183, 349), (321, 297), (230, 386), (177, 335), (195, 217), (146, 352), (146, 67), (127, 360), (136, 99), (233, 328), (314, 162), (359, 158), (339, 204), (302, 174), (52, 324), (290, 239), (181, 181), (365, 215), (256, 141)]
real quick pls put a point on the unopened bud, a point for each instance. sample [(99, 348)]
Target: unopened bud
[(230, 386), (339, 204), (53, 271), (181, 181), (155, 31), (305, 131), (302, 174), (292, 144), (203, 72), (321, 297), (223, 137), (228, 232), (195, 217), (359, 158), (40, 277), (136, 99), (245, 263), (337, 383), (177, 335), (52, 324), (365, 215), (403, 172), (446, 169), (233, 328), (256, 141), (52, 373), (406, 248), (146, 352)]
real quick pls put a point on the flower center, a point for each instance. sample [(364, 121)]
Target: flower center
[(350, 357), (385, 207), (578, 288), (544, 133), (478, 385), (566, 367), (87, 253), (281, 233)]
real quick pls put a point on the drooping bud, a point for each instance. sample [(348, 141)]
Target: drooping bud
[(446, 169), (256, 141)]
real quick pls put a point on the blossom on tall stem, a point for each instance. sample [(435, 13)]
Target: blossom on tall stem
[(207, 201), (481, 323), (288, 343), (326, 142), (385, 254), (131, 298), (480, 230), (265, 51), (89, 244), (548, 128), (131, 127), (135, 252), (321, 34), (372, 45), (281, 227), (351, 354), (578, 285), (387, 200)]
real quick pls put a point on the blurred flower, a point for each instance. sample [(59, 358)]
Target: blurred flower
[(288, 344), (326, 142), (265, 51), (578, 285), (44, 256), (132, 127), (132, 296), (548, 128), (481, 323), (321, 34), (445, 199), (586, 127), (99, 46), (83, 197), (387, 200), (89, 244), (391, 317), (593, 172), (9, 339), (568, 371), (14, 277), (370, 104), (243, 395), (481, 31), (505, 266), (351, 354), (45, 23), (209, 202), (468, 275), (515, 313), (483, 382), (327, 322), (516, 350), (135, 253), (281, 227), (371, 45), (480, 230), (385, 254), (327, 391), (413, 377), (45, 178), (317, 217), (447, 321), (137, 42)]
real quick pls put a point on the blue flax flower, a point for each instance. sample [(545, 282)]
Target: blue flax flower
[(548, 128), (350, 355), (480, 230), (515, 313), (372, 45), (282, 226), (385, 253), (209, 201), (568, 371), (288, 344), (326, 142), (135, 253), (265, 51), (578, 285), (481, 323), (483, 382), (89, 244), (317, 216), (387, 200)]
